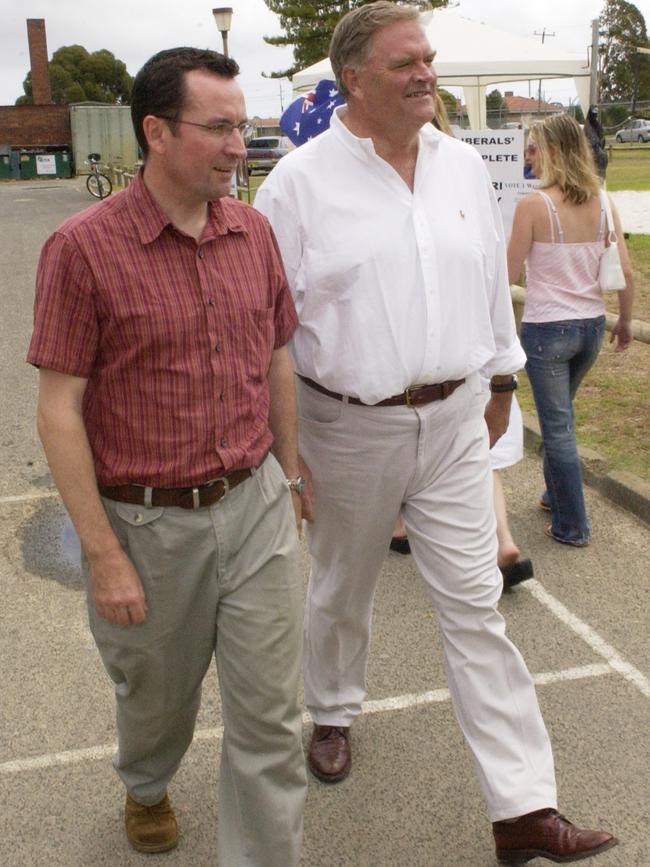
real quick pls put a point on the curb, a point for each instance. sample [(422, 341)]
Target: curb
[(624, 489)]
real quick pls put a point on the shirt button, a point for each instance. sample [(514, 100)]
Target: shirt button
[(139, 518), (222, 396), (223, 442), (211, 302), (200, 254), (217, 347)]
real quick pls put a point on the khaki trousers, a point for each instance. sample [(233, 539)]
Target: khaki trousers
[(221, 581), (432, 464)]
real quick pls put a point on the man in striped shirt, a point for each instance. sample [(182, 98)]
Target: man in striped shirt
[(166, 410)]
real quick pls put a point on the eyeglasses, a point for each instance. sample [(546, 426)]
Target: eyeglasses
[(222, 129)]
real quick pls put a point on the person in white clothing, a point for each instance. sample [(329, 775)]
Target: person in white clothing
[(394, 250)]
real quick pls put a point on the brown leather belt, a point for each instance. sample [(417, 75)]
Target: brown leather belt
[(186, 498), (414, 396)]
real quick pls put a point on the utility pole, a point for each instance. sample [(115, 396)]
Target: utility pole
[(543, 34), (593, 81)]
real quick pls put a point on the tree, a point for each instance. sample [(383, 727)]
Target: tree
[(309, 24), (495, 105), (450, 101), (625, 74), (77, 75)]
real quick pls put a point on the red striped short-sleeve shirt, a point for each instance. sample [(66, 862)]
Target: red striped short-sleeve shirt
[(174, 336)]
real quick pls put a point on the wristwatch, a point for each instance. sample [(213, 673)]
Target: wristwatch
[(297, 485), (502, 387)]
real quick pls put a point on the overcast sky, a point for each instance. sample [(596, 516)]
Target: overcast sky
[(135, 29)]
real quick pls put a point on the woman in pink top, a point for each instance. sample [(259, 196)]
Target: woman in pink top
[(559, 231)]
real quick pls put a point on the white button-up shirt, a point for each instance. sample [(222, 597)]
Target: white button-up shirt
[(393, 288)]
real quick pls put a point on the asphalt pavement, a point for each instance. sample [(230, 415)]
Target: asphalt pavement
[(412, 799)]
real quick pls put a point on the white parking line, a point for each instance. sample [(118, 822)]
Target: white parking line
[(400, 702), (597, 644), (28, 498)]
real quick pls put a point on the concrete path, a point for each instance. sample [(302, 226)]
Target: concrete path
[(412, 799), (634, 210)]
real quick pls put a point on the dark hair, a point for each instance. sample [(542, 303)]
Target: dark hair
[(159, 87), (352, 37)]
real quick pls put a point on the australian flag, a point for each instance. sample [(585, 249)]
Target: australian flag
[(308, 116)]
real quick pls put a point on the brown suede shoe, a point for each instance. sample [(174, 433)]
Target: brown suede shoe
[(329, 757), (547, 834), (150, 829)]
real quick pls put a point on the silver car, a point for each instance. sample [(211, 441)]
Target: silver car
[(264, 152), (636, 130)]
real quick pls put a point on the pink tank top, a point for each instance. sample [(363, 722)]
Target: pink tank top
[(561, 278)]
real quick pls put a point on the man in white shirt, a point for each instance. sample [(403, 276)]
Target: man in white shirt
[(394, 250)]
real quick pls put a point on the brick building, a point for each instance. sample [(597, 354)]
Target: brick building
[(42, 128)]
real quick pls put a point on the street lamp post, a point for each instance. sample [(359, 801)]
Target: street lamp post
[(223, 18)]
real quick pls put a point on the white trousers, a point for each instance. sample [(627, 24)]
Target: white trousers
[(432, 463), (222, 582)]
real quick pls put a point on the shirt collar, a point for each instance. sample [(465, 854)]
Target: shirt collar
[(150, 220), (429, 136)]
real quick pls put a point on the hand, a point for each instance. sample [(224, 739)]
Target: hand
[(497, 415), (116, 589), (622, 333)]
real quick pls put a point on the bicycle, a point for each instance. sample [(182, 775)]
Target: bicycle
[(97, 184)]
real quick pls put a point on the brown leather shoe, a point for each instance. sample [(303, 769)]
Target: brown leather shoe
[(547, 834), (329, 757), (150, 829)]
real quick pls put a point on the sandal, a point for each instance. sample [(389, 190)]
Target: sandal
[(575, 542)]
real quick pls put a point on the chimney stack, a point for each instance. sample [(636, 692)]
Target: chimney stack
[(41, 91)]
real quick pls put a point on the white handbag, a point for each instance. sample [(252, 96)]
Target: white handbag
[(610, 273)]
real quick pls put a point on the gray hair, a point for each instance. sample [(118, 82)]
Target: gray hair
[(350, 45)]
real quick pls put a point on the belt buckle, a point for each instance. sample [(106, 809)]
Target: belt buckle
[(411, 394), (226, 488)]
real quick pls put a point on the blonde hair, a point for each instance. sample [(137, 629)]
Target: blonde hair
[(567, 160), (352, 37), (441, 118)]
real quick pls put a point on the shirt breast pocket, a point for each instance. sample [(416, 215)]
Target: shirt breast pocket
[(253, 330)]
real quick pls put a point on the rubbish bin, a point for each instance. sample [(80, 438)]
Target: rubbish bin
[(5, 167), (63, 167), (27, 166)]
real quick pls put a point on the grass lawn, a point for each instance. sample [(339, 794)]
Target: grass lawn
[(628, 168)]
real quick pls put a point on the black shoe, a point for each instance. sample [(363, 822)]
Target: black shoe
[(400, 544), (517, 572)]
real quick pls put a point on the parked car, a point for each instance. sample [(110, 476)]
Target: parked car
[(264, 152), (635, 130)]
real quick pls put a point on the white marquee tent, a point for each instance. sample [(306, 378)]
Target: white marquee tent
[(472, 55)]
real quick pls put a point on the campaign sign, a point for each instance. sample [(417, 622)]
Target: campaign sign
[(503, 153)]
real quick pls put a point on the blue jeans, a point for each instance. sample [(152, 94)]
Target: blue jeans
[(559, 354)]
